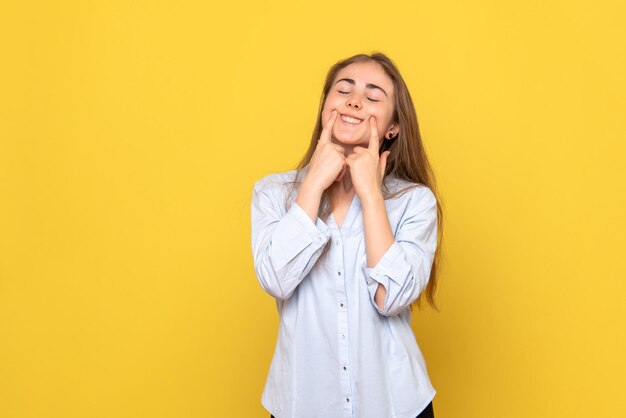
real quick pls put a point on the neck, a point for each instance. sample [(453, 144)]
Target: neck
[(343, 187)]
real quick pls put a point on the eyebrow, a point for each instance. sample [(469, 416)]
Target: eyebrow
[(369, 85)]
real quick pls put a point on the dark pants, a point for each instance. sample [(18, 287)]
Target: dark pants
[(426, 413)]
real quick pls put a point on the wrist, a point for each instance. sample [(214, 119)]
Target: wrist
[(372, 198), (309, 186)]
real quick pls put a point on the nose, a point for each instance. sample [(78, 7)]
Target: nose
[(354, 103)]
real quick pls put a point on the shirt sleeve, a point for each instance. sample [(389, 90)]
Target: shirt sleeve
[(404, 269), (285, 245)]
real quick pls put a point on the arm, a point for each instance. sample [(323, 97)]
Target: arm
[(397, 269), (308, 199), (285, 246), (378, 238)]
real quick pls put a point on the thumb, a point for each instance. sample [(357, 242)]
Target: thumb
[(382, 161)]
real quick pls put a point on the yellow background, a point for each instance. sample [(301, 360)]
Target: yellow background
[(131, 134)]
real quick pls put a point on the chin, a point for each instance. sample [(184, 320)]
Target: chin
[(350, 140)]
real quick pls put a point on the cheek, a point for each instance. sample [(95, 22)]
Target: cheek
[(328, 107), (383, 118)]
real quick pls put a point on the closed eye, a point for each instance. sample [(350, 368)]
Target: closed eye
[(371, 100)]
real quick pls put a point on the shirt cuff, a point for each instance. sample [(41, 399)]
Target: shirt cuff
[(317, 229), (383, 271), (296, 232)]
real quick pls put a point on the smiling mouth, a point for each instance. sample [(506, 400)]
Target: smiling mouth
[(351, 121)]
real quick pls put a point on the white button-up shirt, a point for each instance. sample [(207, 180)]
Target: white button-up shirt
[(338, 355)]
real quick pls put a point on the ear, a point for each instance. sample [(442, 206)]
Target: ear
[(395, 128)]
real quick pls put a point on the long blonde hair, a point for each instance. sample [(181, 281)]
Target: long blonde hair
[(407, 161)]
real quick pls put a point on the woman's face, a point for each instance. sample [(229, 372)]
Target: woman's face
[(360, 90)]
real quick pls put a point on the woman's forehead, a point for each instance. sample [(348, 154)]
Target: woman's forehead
[(365, 73)]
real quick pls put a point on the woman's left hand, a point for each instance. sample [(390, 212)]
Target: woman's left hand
[(367, 169)]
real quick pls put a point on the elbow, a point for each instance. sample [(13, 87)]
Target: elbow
[(272, 290), (392, 305), (390, 310), (271, 282)]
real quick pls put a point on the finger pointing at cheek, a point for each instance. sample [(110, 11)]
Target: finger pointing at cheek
[(374, 140), (328, 127)]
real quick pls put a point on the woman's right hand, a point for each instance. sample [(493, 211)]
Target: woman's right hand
[(328, 163)]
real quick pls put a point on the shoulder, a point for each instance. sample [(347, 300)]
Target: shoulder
[(274, 179), (416, 193), (276, 184)]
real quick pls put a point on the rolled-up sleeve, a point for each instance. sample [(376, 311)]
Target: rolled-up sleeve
[(404, 269), (285, 245)]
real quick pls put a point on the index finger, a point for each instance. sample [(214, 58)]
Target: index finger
[(328, 127), (374, 139)]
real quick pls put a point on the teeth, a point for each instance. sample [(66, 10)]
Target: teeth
[(350, 120)]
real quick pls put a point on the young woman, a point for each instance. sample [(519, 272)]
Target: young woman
[(347, 243)]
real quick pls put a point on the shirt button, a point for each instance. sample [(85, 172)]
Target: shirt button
[(347, 399), (341, 304), (339, 273), (344, 367), (343, 336)]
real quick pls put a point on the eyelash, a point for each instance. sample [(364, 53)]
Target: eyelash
[(345, 92)]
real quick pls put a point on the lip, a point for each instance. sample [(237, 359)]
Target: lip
[(349, 125), (352, 116)]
